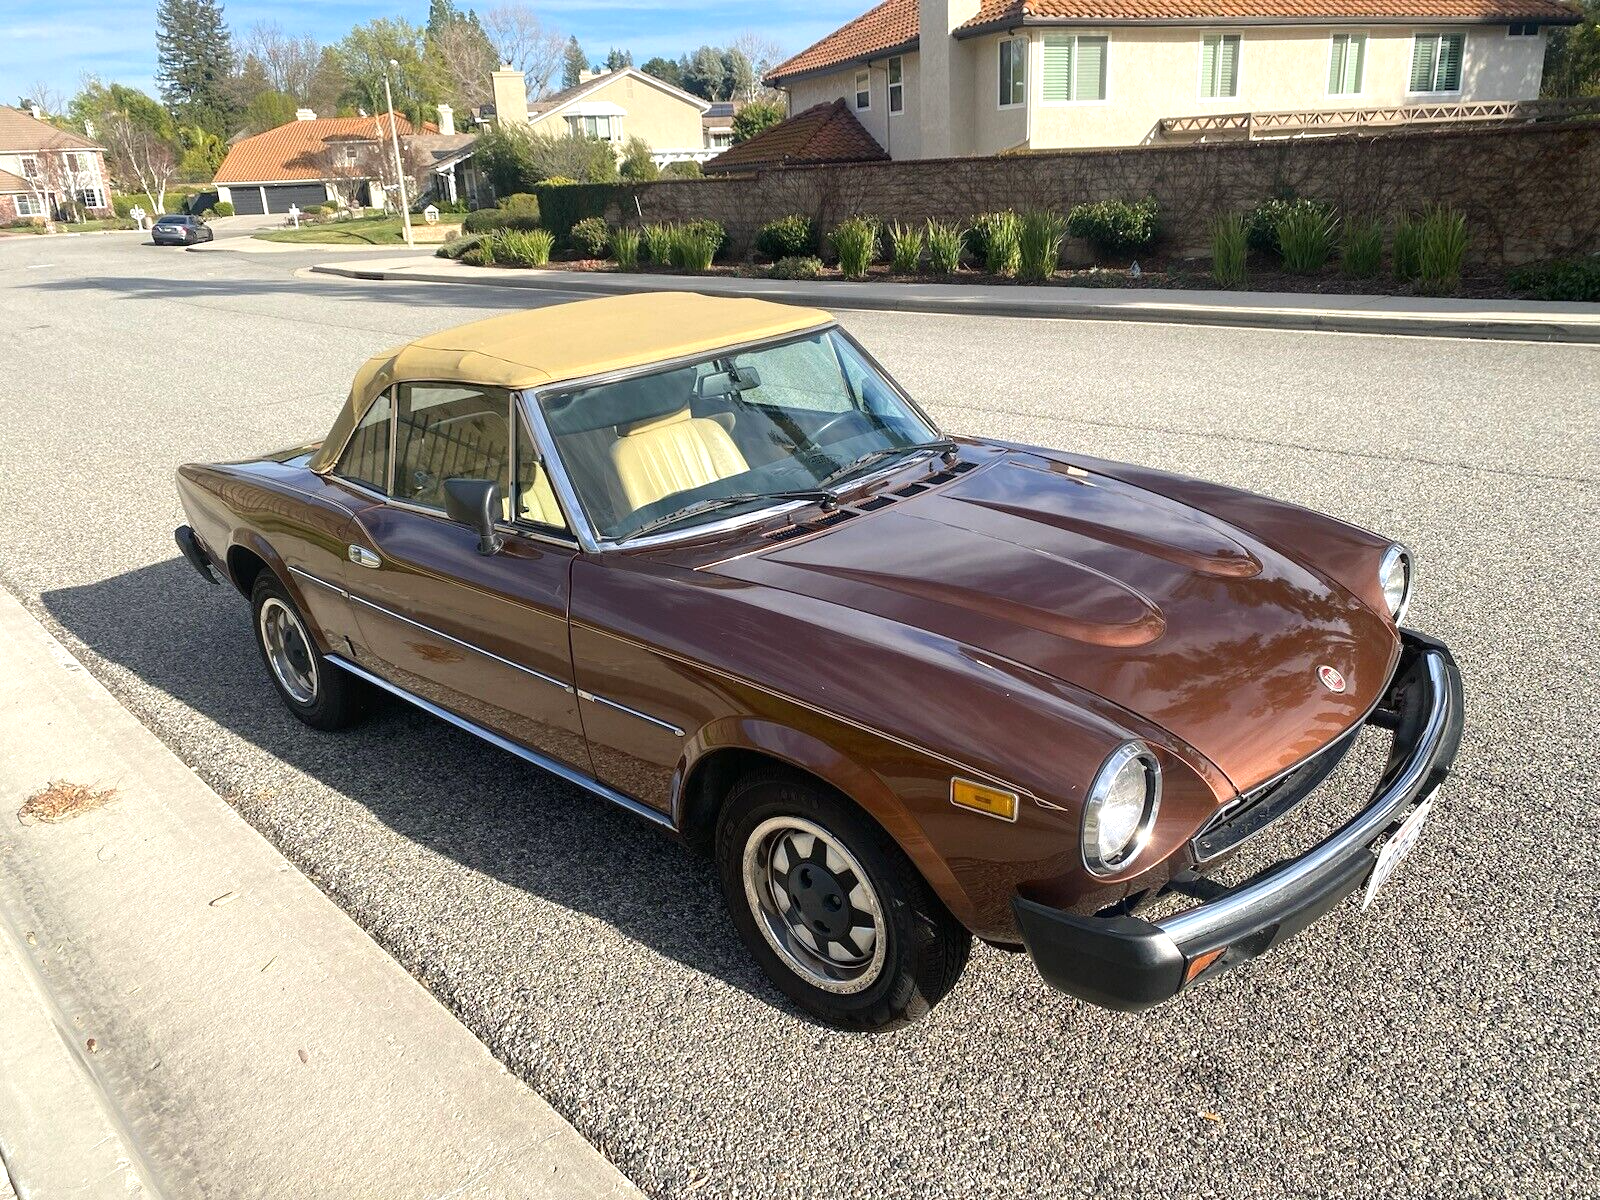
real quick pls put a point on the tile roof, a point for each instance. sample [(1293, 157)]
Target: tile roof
[(892, 25), (823, 133), (19, 131), (11, 184), (294, 150)]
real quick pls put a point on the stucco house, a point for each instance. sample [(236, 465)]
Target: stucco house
[(613, 106), (46, 172), (941, 78)]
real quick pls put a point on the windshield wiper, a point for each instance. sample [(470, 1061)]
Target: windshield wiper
[(711, 503), (872, 456)]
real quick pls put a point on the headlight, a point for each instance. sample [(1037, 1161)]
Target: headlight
[(1121, 808), (1394, 577)]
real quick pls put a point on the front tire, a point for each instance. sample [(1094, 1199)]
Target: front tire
[(831, 908), (310, 687)]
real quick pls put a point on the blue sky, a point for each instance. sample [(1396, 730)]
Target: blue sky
[(57, 42)]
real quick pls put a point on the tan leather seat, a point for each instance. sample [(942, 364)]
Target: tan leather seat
[(671, 454), (538, 502)]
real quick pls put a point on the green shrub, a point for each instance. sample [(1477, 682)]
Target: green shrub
[(481, 255), (1306, 234), (657, 243), (638, 164), (905, 248), (1361, 250), (996, 240), (1407, 243), (625, 248), (787, 237), (590, 237), (797, 266), (1567, 279), (1261, 223), (523, 247), (687, 169), (710, 229), (222, 208), (694, 245), (944, 246), (1116, 227), (484, 220), (855, 243), (1441, 249), (1039, 244), (458, 246), (1230, 248)]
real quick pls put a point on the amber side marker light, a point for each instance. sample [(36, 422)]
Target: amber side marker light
[(1200, 962), (990, 801)]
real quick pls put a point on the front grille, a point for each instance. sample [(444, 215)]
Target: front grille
[(1255, 810)]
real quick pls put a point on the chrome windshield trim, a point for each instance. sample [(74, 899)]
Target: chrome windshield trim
[(632, 712), (319, 581), (439, 633), (555, 767), (1238, 909)]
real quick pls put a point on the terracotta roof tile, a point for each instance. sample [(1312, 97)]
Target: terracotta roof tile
[(294, 151), (892, 25), (19, 131), (823, 133)]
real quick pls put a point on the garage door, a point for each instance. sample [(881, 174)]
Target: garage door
[(276, 197)]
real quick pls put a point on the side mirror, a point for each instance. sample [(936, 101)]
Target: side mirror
[(475, 503)]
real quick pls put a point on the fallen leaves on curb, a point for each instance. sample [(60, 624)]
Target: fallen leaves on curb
[(62, 801)]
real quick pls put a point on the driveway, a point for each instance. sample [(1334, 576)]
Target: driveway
[(1432, 1046)]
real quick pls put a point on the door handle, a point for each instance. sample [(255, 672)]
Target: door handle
[(363, 557)]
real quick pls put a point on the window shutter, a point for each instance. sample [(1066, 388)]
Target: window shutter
[(1058, 68), (1089, 71), (1336, 57), (1228, 66), (1208, 66), (1448, 78), (1355, 62), (1424, 54)]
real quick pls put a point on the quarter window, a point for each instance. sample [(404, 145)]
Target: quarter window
[(1013, 71), (1219, 65), (897, 87), (366, 459), (1436, 62), (863, 90), (1074, 68), (1346, 64), (445, 432)]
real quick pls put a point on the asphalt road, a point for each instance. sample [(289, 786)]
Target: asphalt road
[(1441, 1044)]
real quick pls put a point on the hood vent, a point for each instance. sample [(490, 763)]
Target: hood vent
[(838, 517)]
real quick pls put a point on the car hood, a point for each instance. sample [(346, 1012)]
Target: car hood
[(1157, 607)]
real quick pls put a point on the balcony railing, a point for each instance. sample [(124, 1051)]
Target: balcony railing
[(1313, 122)]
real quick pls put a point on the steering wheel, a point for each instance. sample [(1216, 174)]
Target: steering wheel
[(816, 434)]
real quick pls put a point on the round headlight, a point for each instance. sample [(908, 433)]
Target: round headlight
[(1394, 577), (1121, 808)]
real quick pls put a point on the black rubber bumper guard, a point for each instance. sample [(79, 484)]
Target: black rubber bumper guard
[(1127, 963)]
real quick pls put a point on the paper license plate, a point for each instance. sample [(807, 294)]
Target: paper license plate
[(1393, 851)]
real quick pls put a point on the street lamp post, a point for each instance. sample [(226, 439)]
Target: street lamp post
[(399, 168)]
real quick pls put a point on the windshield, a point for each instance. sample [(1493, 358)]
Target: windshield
[(807, 413)]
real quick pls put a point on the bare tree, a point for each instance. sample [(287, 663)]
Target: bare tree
[(139, 152), (290, 62), (362, 158), (524, 41), (52, 101), (763, 54), (467, 60)]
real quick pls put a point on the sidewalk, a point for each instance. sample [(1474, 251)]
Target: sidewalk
[(1526, 320), (185, 1014)]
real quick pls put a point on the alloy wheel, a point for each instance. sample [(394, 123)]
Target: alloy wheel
[(289, 650)]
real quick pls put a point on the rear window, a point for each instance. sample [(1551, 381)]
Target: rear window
[(173, 220)]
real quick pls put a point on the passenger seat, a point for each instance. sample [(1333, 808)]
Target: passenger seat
[(666, 455)]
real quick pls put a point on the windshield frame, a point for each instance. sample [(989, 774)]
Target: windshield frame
[(590, 538)]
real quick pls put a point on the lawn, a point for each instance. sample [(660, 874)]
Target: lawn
[(363, 231)]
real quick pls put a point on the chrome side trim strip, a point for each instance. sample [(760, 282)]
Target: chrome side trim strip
[(319, 581), (439, 633), (1239, 908), (494, 739), (632, 712)]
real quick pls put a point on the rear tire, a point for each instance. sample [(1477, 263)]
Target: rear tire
[(831, 908), (313, 689)]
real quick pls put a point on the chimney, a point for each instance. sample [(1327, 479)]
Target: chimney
[(944, 81), (304, 114), (585, 76), (447, 120), (37, 114), (510, 96)]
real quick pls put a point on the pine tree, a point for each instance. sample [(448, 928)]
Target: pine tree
[(573, 64), (195, 63)]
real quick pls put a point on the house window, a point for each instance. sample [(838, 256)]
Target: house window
[(1074, 68), (1524, 29), (1436, 62), (30, 168), (91, 198), (1346, 63), (1013, 71), (79, 164), (595, 127), (29, 206), (897, 86), (1219, 66), (863, 90)]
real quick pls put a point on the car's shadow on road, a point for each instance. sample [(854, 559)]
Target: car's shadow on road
[(442, 788)]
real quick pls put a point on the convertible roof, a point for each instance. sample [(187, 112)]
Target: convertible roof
[(568, 341)]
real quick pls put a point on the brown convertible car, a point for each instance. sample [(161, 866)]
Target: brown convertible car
[(705, 559)]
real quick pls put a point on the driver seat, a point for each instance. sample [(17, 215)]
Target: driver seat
[(666, 455)]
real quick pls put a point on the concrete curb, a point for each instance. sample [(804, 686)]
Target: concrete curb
[(1496, 320), (184, 1012)]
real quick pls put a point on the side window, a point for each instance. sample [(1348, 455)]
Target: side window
[(449, 432), (366, 458), (533, 498)]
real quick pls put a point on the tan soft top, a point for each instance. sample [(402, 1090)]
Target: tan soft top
[(568, 341)]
